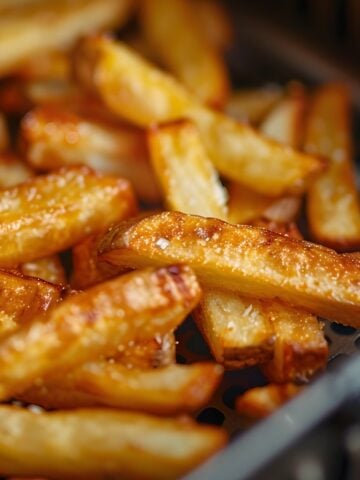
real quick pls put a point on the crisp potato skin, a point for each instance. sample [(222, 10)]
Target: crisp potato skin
[(99, 321), (163, 391), (50, 213), (93, 443), (252, 261)]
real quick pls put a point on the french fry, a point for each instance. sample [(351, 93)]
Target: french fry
[(261, 402), (48, 268), (188, 179), (172, 30), (50, 213), (252, 105), (285, 124), (162, 391), (248, 260), (23, 298), (235, 328), (55, 137), (4, 134), (25, 30), (214, 22), (131, 308), (74, 444), (135, 90), (333, 206), (154, 353)]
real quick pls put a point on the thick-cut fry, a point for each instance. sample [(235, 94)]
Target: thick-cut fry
[(236, 328), (300, 348), (48, 268), (48, 214), (131, 308), (252, 261), (333, 205), (260, 402), (12, 170), (23, 298), (154, 353), (172, 30), (188, 179), (251, 105), (214, 22), (137, 91), (93, 443), (285, 124), (55, 137), (25, 30), (163, 391)]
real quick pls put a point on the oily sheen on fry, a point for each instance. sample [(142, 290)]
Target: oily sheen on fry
[(249, 260), (50, 213), (99, 321)]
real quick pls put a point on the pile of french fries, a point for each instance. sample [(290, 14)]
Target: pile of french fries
[(175, 195)]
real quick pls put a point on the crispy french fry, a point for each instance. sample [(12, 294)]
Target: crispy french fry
[(333, 206), (249, 260), (135, 90), (48, 268), (50, 65), (45, 218), (163, 391), (55, 137), (172, 30), (4, 134), (12, 170), (75, 444), (214, 22), (154, 353), (234, 327), (251, 105), (131, 308), (260, 402), (25, 30), (188, 179), (23, 298), (285, 124)]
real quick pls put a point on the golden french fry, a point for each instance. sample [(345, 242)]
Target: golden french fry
[(135, 90), (25, 30), (130, 308), (74, 444), (48, 268), (49, 65), (214, 22), (251, 105), (260, 402), (172, 30), (163, 391), (236, 328), (333, 206), (188, 179), (154, 353), (285, 124), (50, 213), (249, 260), (23, 298), (55, 137), (12, 170)]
